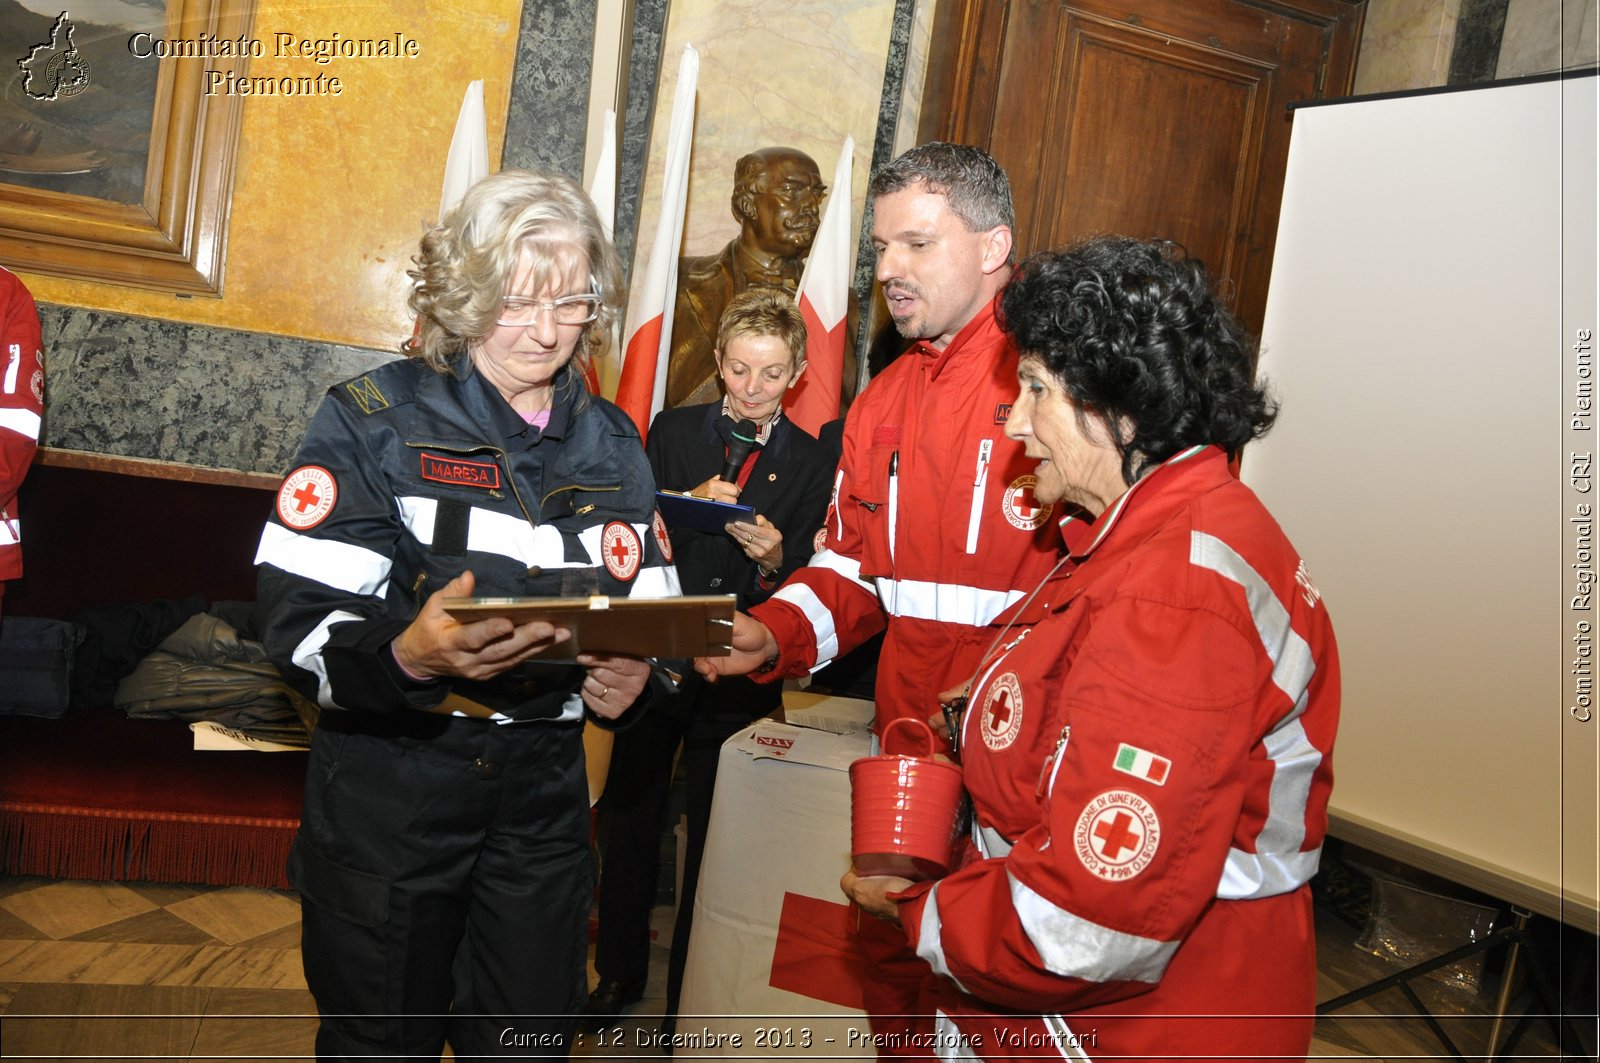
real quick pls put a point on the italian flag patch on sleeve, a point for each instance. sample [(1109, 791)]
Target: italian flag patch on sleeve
[(1142, 764)]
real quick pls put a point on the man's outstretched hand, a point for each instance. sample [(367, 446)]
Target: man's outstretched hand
[(753, 646)]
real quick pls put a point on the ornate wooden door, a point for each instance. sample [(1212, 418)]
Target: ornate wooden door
[(1153, 118)]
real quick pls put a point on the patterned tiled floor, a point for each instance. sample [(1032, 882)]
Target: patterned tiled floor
[(152, 972), (141, 970)]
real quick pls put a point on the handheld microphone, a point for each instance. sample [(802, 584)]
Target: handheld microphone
[(744, 437)]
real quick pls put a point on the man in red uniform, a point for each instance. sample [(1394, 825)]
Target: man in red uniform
[(933, 528), (21, 406)]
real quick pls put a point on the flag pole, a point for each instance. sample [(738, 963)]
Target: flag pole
[(603, 190)]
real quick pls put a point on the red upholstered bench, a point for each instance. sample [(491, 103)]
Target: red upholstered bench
[(95, 795)]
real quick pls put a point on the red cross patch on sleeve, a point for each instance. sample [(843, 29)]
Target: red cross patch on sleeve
[(307, 497), (663, 541), (1117, 835)]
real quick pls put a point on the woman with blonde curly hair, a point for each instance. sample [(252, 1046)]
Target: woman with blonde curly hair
[(519, 219), (443, 861)]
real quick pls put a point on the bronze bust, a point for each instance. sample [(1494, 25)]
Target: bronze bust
[(777, 197)]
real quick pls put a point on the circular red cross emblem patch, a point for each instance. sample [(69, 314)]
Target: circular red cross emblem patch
[(663, 540), (1022, 509), (621, 550), (1117, 835), (1001, 719), (306, 497)]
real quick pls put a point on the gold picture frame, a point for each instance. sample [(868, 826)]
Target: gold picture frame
[(175, 237)]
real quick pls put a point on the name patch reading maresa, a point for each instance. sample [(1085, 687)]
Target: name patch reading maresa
[(484, 474)]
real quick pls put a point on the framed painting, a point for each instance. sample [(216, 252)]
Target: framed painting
[(118, 139)]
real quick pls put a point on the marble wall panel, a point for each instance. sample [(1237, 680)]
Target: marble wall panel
[(1542, 36), (644, 70), (903, 68), (914, 67), (145, 388), (1414, 44), (1476, 51), (803, 74), (545, 129), (1406, 44)]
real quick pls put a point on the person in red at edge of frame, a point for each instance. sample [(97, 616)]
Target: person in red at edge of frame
[(21, 407), (1148, 739), (933, 527)]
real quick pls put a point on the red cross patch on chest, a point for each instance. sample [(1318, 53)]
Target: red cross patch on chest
[(658, 528), (1022, 509), (1000, 719)]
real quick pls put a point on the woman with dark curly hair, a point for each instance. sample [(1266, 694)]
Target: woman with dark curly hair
[(1147, 740)]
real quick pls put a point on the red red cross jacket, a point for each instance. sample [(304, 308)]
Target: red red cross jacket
[(932, 529), (1148, 753), (21, 407)]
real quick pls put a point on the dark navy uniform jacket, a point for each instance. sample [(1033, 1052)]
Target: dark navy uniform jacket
[(406, 478)]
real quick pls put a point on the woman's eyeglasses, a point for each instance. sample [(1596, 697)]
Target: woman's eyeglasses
[(567, 310)]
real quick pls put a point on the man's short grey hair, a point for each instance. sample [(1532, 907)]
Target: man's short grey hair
[(977, 189)]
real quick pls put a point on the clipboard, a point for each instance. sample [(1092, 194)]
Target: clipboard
[(702, 514), (689, 626)]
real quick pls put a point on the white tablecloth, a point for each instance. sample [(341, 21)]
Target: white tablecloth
[(779, 840)]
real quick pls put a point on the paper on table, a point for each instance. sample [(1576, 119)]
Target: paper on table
[(209, 734), (769, 739), (827, 712)]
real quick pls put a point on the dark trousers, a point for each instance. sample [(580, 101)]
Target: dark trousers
[(444, 872), (633, 811)]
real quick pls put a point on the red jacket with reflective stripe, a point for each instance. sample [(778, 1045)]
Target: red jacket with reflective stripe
[(932, 530), (1155, 753), (21, 406)]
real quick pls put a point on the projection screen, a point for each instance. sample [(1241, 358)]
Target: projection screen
[(1429, 332)]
